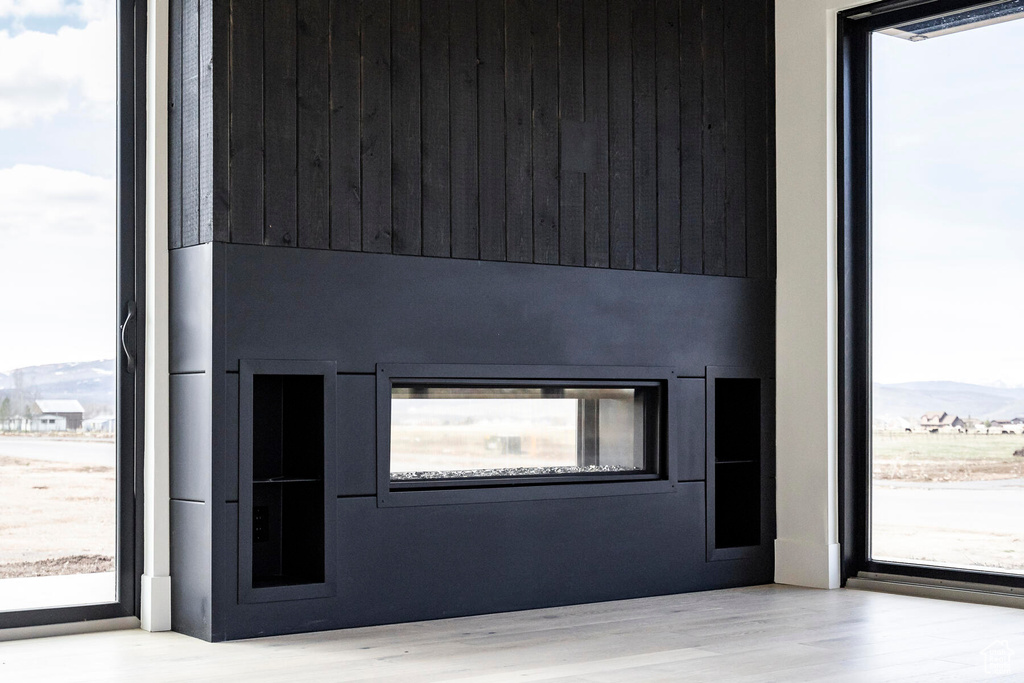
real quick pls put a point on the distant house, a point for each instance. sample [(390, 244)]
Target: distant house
[(69, 409), (1006, 427), (975, 425), (103, 423), (15, 424), (942, 422), (48, 423), (892, 423)]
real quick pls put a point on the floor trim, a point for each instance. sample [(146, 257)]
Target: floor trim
[(959, 591), (48, 630)]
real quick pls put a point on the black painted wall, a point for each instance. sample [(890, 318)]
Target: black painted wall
[(628, 134), (424, 559)]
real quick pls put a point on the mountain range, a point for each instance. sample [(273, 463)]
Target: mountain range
[(913, 399), (92, 383)]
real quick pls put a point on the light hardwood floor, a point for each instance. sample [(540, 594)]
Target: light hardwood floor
[(767, 633)]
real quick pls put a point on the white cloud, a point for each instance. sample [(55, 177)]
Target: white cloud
[(57, 266), (56, 201), (33, 8), (43, 74), (83, 9)]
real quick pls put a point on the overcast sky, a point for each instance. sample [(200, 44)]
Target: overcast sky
[(949, 209), (948, 165), (57, 181)]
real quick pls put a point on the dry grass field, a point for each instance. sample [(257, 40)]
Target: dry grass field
[(949, 500), (903, 456)]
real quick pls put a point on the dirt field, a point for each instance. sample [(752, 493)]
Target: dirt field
[(58, 517), (55, 518), (949, 500), (900, 456)]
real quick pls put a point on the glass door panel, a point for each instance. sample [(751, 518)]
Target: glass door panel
[(58, 304), (947, 275)]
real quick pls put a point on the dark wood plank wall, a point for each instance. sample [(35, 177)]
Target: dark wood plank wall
[(629, 134)]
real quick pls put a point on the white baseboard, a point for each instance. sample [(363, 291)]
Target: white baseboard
[(156, 603), (812, 565)]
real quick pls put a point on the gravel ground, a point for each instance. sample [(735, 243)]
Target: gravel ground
[(64, 566)]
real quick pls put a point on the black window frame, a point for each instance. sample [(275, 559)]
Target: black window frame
[(128, 337), (659, 476), (853, 109)]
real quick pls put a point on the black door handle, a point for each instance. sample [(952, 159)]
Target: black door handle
[(129, 356)]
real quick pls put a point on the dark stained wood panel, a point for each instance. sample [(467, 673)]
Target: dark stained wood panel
[(691, 108), (735, 58), (620, 134), (596, 74), (491, 122), (518, 132), (280, 122), (219, 66), (206, 122), (406, 162), (346, 131), (669, 217), (756, 107), (629, 134), (570, 113), (314, 124), (713, 154), (436, 132), (463, 115), (645, 142), (247, 122), (544, 18), (174, 140), (190, 151), (376, 126)]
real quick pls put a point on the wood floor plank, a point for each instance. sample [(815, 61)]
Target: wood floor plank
[(737, 636)]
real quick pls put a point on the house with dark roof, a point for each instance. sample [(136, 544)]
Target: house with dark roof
[(942, 421)]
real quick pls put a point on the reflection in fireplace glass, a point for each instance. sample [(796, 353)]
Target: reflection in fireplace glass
[(459, 432)]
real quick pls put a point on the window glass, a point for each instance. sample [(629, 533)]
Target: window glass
[(947, 265)]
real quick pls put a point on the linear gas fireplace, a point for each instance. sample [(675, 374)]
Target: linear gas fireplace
[(477, 427), (498, 431)]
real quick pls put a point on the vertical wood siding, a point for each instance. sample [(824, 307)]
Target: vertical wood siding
[(629, 134)]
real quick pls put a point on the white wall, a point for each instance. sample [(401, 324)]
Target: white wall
[(156, 580), (807, 549)]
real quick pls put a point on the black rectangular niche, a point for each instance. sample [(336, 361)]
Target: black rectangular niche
[(737, 462), (735, 458), (286, 423)]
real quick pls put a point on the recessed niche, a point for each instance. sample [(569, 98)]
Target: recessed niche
[(283, 478), (737, 462), (288, 481)]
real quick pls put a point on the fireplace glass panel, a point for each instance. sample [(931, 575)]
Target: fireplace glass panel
[(460, 432)]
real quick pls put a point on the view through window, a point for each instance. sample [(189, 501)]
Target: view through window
[(58, 277), (947, 281)]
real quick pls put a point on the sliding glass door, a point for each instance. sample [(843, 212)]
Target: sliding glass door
[(69, 340), (934, 257)]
